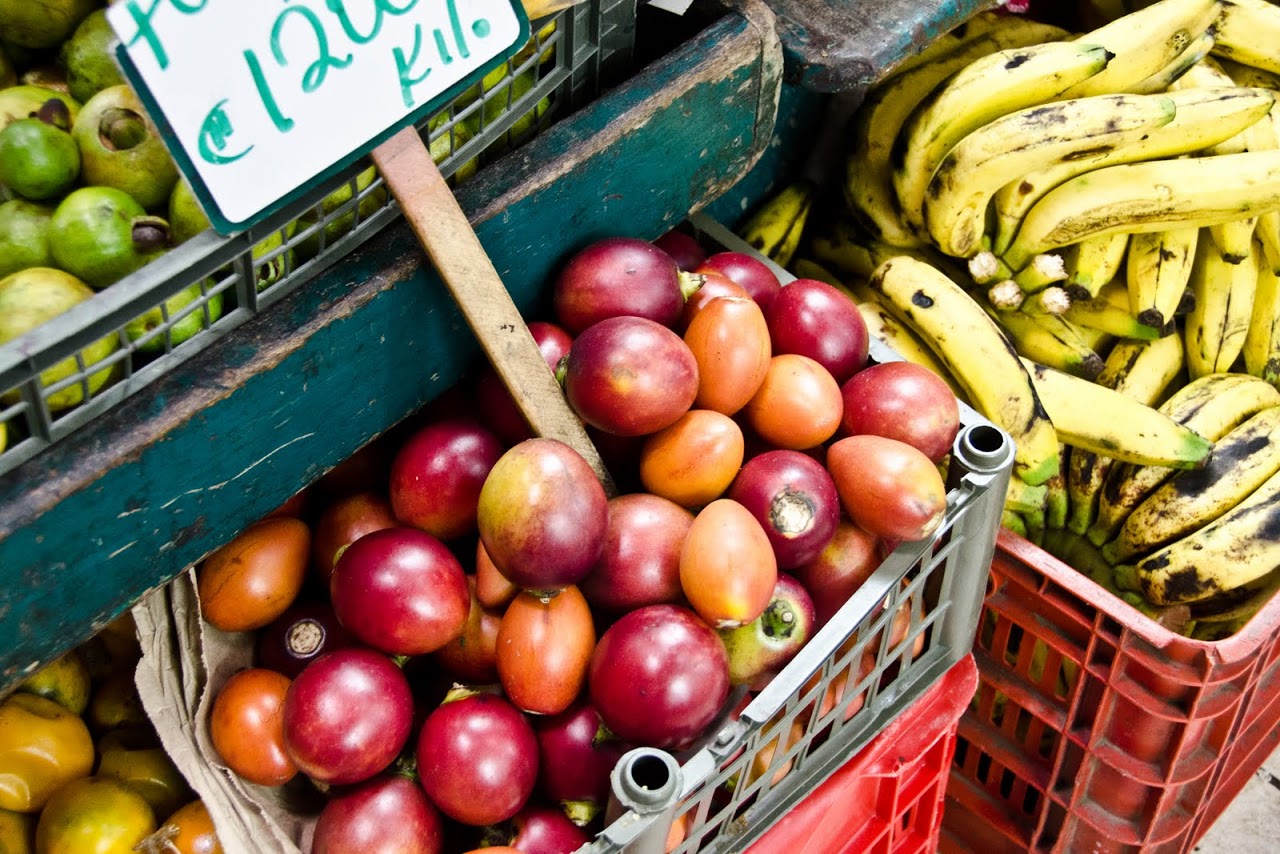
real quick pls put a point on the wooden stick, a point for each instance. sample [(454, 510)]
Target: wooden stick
[(444, 232)]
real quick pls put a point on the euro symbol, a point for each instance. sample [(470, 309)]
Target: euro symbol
[(213, 137)]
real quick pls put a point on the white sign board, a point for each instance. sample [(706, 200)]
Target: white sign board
[(261, 99)]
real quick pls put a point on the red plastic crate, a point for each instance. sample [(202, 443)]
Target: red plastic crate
[(1094, 729), (888, 798)]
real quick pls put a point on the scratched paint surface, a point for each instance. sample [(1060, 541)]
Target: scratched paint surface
[(837, 45), (183, 466)]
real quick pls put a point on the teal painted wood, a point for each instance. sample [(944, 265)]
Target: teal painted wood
[(841, 45), (150, 487)]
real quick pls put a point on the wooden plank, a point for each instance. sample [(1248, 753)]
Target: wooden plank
[(149, 488), (845, 45)]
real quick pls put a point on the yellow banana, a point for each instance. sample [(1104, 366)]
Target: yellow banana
[(1050, 340), (1248, 31), (1109, 312), (1262, 340), (1211, 406), (1262, 135), (775, 227), (1203, 118), (1142, 370), (1157, 273), (983, 91), (1098, 419), (1167, 76), (1006, 28), (1241, 462), (1240, 546), (1028, 140), (868, 189), (976, 354), (1216, 327), (883, 326), (1144, 42), (1239, 605), (1093, 262), (1149, 196)]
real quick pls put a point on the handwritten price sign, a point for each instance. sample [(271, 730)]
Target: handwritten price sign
[(261, 99)]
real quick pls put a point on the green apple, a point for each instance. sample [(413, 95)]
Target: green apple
[(34, 296), (181, 329)]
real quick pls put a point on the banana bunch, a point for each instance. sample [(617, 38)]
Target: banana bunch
[(1081, 234)]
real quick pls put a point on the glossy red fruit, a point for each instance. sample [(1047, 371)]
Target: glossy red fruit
[(748, 272), (659, 677), (617, 277), (887, 487), (477, 759), (437, 475), (813, 319), (299, 636), (843, 565), (545, 830), (727, 567), (711, 286), (794, 499), (544, 647), (347, 716), (641, 560), (472, 657), (683, 249), (576, 755), (494, 404), (630, 376), (903, 401), (400, 590), (342, 523), (543, 515), (761, 648), (388, 813)]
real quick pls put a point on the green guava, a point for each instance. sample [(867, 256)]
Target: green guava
[(24, 236), (121, 147), (86, 56), (101, 235)]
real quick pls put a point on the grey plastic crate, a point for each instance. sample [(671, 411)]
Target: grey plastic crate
[(570, 59), (711, 790)]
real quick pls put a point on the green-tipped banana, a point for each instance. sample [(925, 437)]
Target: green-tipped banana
[(1239, 547), (1014, 522), (1215, 329), (977, 355), (1050, 340), (774, 229), (1094, 262), (1142, 370), (1241, 462), (1248, 31), (807, 268), (1057, 502), (1204, 118), (1150, 196), (1157, 273), (1109, 312), (1144, 42), (1025, 498), (1028, 140), (985, 90), (1211, 406), (1262, 341), (1098, 419)]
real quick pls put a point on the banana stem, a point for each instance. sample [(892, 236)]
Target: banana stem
[(1042, 272), (1013, 521), (986, 268), (1006, 296), (1053, 300)]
